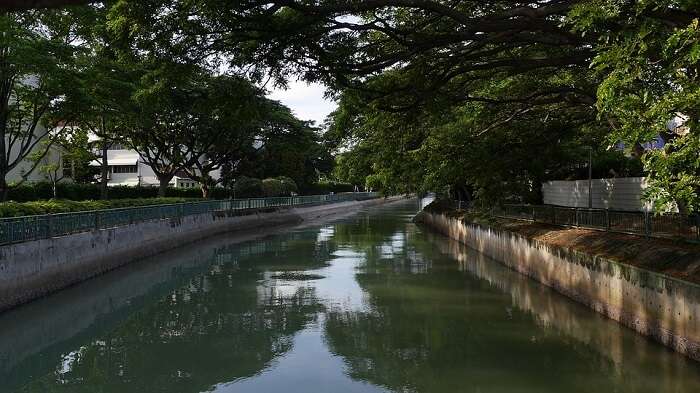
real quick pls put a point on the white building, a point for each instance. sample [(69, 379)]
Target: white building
[(23, 171), (127, 168)]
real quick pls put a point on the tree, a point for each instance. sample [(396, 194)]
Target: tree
[(36, 69), (288, 147), (104, 90), (648, 57), (227, 111), (161, 120)]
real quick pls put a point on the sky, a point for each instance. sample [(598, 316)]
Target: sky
[(305, 100)]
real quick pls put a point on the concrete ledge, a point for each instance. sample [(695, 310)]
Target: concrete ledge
[(661, 307), (33, 269)]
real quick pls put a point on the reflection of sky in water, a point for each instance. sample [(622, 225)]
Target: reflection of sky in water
[(337, 288), (290, 372), (340, 288), (393, 247), (325, 234)]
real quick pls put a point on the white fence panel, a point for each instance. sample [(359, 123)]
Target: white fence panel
[(623, 193)]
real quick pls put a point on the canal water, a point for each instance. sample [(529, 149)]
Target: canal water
[(365, 303)]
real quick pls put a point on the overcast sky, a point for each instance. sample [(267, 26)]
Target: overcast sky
[(306, 100)]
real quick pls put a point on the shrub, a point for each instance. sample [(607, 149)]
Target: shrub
[(288, 185), (16, 209), (272, 187), (327, 187), (81, 192), (248, 187)]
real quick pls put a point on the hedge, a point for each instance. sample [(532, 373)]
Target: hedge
[(245, 187), (83, 192), (16, 209), (327, 187)]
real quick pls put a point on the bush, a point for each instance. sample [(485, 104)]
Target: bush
[(327, 187), (272, 187), (16, 209), (82, 192), (248, 187), (288, 185)]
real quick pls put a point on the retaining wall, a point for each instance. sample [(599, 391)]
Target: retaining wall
[(33, 269), (657, 306)]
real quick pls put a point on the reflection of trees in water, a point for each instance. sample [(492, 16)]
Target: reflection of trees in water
[(218, 327), (294, 251), (443, 332), (375, 238), (623, 351)]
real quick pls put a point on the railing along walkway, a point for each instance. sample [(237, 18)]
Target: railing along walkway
[(26, 228), (631, 222)]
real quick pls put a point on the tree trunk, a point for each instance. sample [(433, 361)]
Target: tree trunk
[(163, 185), (53, 189), (105, 171), (205, 190), (4, 189)]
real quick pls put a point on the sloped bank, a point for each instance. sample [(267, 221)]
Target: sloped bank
[(33, 269), (660, 307)]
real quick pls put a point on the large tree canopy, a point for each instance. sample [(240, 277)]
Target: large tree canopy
[(487, 97), (538, 82)]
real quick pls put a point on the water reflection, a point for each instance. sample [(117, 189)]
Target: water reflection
[(369, 303)]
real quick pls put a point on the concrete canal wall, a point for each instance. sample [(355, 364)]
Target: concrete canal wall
[(657, 306), (33, 269)]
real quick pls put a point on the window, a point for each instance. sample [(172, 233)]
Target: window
[(68, 170), (117, 146), (125, 169)]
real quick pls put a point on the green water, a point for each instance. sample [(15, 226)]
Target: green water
[(365, 303)]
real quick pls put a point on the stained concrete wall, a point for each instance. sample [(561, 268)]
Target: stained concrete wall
[(33, 269), (657, 306), (617, 346)]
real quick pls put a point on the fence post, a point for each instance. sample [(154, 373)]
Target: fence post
[(554, 215), (576, 216), (607, 219), (647, 224), (533, 214), (49, 225)]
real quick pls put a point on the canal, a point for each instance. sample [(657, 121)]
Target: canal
[(365, 303)]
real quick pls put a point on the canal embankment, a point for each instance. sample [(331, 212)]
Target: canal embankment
[(611, 274), (35, 268)]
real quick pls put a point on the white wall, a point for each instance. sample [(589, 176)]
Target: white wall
[(24, 166), (623, 193)]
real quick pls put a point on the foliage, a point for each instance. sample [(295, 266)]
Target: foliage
[(247, 187), (288, 147), (37, 69), (271, 187), (281, 186), (327, 187), (287, 185), (80, 192), (648, 55), (483, 99), (16, 209)]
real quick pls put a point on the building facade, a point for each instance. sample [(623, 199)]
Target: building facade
[(127, 168)]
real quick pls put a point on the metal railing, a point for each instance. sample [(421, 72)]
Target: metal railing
[(637, 223), (26, 228)]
